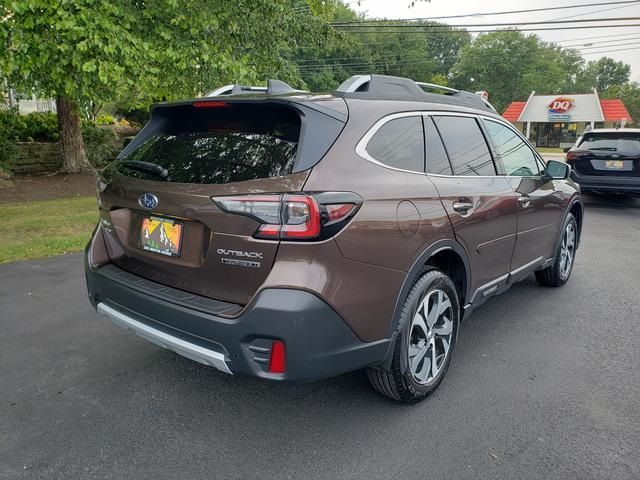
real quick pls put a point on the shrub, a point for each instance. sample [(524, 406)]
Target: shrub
[(105, 120), (12, 125), (41, 127), (101, 144)]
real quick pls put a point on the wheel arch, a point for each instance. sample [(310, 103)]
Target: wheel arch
[(446, 255)]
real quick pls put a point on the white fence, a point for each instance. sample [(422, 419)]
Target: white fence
[(30, 106)]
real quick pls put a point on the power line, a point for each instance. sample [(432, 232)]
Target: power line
[(321, 62), (611, 51), (594, 11), (509, 12), (609, 46), (589, 44), (507, 24), (575, 27)]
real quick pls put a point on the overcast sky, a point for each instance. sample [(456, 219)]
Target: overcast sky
[(614, 36)]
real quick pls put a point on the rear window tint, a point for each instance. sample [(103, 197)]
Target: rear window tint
[(624, 143), (221, 145), (399, 143), (466, 146)]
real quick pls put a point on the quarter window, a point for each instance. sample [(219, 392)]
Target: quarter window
[(399, 143), (518, 159), (466, 146)]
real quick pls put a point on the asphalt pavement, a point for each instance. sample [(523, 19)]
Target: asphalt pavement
[(545, 384)]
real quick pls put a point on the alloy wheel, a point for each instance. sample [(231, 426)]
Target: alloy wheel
[(430, 337), (567, 250)]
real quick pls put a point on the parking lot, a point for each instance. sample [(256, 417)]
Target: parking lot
[(545, 383)]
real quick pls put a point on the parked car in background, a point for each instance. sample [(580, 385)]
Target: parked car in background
[(293, 236), (607, 160)]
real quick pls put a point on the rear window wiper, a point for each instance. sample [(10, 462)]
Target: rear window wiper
[(147, 167)]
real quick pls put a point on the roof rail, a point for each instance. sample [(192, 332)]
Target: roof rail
[(274, 87), (433, 86), (385, 87)]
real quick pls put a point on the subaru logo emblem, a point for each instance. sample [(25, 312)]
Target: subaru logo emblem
[(148, 201)]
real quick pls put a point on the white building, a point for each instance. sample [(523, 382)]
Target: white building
[(557, 120)]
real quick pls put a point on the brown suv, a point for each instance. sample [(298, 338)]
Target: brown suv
[(294, 236)]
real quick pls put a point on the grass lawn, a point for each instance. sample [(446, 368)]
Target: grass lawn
[(549, 150), (45, 228)]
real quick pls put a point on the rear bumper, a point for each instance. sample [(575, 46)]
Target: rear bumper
[(606, 184), (318, 344)]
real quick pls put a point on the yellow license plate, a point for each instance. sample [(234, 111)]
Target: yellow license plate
[(614, 164), (161, 235)]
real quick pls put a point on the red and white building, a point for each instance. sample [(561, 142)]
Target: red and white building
[(557, 120)]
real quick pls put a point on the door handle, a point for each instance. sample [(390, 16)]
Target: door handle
[(462, 206), (524, 200)]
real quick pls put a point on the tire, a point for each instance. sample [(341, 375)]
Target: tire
[(421, 338), (557, 274)]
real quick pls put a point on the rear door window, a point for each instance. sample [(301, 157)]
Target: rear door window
[(622, 143), (221, 145), (437, 160), (466, 146), (399, 143), (518, 159)]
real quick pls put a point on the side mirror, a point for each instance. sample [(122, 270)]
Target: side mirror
[(557, 170), (566, 149)]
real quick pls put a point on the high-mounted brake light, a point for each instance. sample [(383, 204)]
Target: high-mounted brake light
[(289, 217), (208, 104)]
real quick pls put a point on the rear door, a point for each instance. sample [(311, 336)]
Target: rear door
[(540, 201), (608, 154), (166, 208), (481, 204)]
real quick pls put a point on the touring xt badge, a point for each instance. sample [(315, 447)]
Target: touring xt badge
[(240, 255)]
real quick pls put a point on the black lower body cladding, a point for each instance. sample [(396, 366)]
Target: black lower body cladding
[(318, 344)]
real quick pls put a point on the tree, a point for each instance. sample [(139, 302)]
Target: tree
[(90, 51), (604, 73)]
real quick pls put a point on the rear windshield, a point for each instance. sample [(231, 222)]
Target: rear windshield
[(220, 145), (624, 143)]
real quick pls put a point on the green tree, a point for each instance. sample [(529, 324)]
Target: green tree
[(89, 51), (604, 73)]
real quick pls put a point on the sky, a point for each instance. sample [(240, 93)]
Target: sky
[(627, 35)]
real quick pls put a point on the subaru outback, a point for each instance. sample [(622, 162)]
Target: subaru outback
[(607, 160), (292, 236)]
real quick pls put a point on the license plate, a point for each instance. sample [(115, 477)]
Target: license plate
[(614, 164), (161, 235)]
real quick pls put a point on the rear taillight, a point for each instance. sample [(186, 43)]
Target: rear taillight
[(573, 155), (291, 217)]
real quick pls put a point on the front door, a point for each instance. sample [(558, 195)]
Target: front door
[(540, 205)]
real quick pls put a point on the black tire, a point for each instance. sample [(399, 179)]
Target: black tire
[(553, 276), (399, 382)]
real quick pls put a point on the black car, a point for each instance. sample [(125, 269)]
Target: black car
[(607, 160)]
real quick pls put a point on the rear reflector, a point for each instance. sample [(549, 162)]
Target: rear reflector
[(277, 357)]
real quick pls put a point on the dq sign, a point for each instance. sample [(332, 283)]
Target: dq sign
[(561, 105)]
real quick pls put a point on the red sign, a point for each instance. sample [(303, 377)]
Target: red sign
[(561, 105)]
